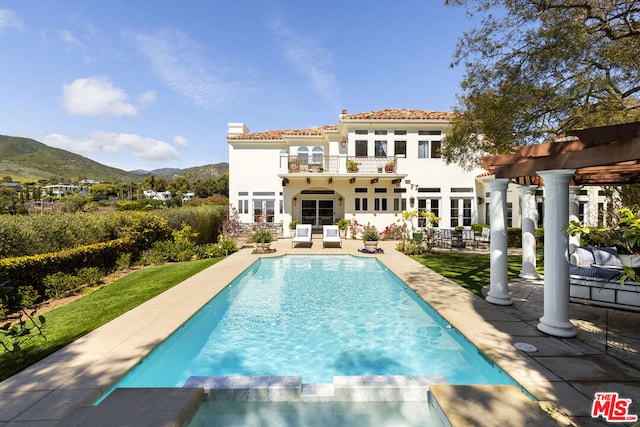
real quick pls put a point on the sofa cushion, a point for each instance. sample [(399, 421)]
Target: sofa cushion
[(606, 256), (582, 257)]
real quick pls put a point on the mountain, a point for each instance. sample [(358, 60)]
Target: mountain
[(28, 159), (204, 172)]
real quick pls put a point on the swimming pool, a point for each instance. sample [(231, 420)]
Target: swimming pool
[(316, 317)]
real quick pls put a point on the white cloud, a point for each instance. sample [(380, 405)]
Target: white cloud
[(98, 97), (310, 59), (112, 144), (181, 141), (9, 19), (180, 64)]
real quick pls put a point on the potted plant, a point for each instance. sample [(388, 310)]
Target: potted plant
[(292, 224), (352, 166), (389, 167), (294, 164), (629, 226), (370, 237), (262, 237), (343, 225)]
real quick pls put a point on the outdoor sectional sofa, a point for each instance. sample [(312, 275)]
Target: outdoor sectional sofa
[(594, 278)]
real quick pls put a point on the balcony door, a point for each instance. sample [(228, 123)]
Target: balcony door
[(317, 212)]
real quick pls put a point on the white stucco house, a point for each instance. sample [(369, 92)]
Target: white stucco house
[(161, 195), (304, 174)]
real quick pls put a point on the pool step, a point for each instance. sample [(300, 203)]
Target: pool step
[(291, 388)]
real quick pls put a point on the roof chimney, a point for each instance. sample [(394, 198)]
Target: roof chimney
[(344, 112), (236, 129)]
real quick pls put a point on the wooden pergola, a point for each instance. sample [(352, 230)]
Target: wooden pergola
[(608, 155)]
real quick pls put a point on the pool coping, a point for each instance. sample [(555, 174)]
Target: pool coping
[(63, 384)]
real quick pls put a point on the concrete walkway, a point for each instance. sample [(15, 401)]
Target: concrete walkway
[(563, 374)]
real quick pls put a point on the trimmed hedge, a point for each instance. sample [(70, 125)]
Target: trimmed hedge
[(140, 233), (31, 270)]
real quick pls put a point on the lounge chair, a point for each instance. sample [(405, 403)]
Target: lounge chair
[(331, 234), (303, 235)]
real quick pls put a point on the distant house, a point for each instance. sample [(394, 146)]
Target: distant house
[(59, 190), (187, 197), (89, 182), (162, 195)]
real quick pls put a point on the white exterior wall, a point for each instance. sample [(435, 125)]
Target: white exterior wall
[(254, 169)]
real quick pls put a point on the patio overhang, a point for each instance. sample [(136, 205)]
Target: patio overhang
[(608, 155)]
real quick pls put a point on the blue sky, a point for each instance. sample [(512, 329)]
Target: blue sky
[(146, 85)]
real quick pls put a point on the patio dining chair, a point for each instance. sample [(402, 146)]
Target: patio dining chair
[(484, 237), (469, 238), (445, 237)]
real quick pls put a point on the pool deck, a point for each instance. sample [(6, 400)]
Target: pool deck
[(563, 374)]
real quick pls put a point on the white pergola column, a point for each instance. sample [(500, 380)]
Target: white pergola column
[(529, 216), (498, 287), (555, 320), (574, 215)]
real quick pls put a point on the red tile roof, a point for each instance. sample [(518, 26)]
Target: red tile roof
[(400, 114), (280, 134), (388, 114)]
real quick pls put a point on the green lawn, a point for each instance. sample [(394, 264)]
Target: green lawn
[(471, 271), (71, 321)]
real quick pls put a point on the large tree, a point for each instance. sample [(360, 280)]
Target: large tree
[(537, 68)]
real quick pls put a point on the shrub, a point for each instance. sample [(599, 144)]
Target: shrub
[(410, 247), (205, 220), (226, 245), (4, 308), (477, 228), (27, 296), (514, 237), (90, 276), (123, 262), (392, 232), (58, 284)]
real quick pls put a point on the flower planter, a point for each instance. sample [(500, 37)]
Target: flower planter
[(389, 169), (371, 245), (632, 261)]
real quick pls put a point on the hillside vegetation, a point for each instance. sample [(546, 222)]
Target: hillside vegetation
[(28, 159), (25, 159)]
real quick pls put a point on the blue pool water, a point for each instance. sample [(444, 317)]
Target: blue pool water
[(315, 317)]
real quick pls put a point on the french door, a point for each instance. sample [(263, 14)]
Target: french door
[(317, 212)]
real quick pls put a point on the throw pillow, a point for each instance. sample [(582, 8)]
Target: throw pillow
[(606, 256), (583, 256)]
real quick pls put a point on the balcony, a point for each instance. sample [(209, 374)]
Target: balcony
[(341, 165)]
